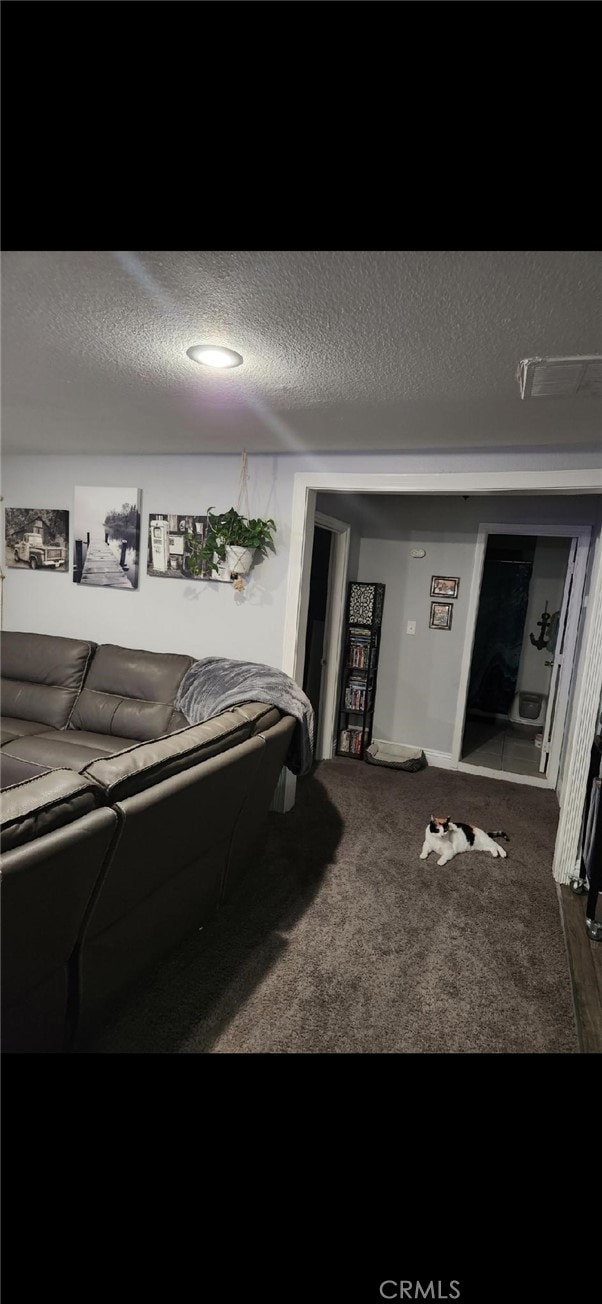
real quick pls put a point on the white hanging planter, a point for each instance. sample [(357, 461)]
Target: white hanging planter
[(240, 560)]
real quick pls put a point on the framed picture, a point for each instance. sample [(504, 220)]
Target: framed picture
[(442, 586), (106, 543), (37, 538), (169, 548), (441, 615)]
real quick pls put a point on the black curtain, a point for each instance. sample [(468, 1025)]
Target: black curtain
[(499, 635)]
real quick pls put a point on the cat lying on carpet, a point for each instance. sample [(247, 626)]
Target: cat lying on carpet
[(449, 839)]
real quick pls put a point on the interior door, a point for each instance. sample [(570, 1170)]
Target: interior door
[(562, 660), (324, 734), (315, 650)]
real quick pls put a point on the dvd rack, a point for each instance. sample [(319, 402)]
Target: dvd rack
[(360, 667)]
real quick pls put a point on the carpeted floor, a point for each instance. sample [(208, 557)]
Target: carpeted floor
[(342, 940)]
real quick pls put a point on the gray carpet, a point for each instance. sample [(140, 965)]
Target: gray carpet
[(342, 940)]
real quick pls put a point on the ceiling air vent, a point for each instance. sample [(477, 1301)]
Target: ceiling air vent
[(560, 377)]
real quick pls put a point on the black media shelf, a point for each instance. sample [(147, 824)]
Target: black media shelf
[(360, 667)]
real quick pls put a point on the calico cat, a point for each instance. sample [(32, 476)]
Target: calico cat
[(449, 839)]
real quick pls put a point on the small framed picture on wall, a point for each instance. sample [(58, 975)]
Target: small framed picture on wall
[(442, 586), (441, 615)]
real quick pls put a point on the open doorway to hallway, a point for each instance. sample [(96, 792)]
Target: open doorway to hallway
[(520, 649), (515, 642), (315, 661), (323, 639), (418, 708)]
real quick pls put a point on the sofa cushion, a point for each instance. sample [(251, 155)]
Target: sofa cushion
[(10, 729), (14, 771), (146, 764), (39, 805), (66, 748), (130, 694), (42, 675)]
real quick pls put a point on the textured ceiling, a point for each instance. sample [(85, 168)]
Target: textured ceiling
[(342, 350)]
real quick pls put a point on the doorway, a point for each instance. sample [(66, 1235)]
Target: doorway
[(313, 674), (527, 600), (307, 485), (323, 639)]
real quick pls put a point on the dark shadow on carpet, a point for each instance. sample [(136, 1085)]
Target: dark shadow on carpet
[(342, 940)]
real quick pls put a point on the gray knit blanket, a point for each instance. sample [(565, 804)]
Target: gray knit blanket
[(216, 684)]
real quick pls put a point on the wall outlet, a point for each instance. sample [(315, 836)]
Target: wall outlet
[(411, 627)]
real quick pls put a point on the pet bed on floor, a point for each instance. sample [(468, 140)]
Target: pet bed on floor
[(396, 758)]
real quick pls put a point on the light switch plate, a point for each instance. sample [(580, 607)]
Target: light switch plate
[(411, 627)]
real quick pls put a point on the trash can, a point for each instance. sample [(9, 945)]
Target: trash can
[(529, 705)]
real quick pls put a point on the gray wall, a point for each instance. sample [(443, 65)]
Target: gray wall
[(419, 674), (209, 619)]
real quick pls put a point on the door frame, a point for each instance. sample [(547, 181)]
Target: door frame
[(333, 630), (566, 648), (583, 535), (588, 686)]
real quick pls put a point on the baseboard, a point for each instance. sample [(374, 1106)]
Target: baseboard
[(507, 776), (442, 760)]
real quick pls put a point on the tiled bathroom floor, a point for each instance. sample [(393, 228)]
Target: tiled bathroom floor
[(500, 745)]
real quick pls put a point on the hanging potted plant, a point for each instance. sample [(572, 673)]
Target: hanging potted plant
[(230, 538)]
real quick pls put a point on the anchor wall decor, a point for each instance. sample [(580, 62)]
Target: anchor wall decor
[(542, 640)]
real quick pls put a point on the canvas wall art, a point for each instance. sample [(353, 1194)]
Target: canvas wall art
[(37, 538), (169, 547), (106, 537)]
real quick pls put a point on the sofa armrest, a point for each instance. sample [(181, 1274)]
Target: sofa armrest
[(146, 764), (260, 715), (39, 805)]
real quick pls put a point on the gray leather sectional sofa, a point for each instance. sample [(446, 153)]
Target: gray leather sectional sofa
[(123, 827)]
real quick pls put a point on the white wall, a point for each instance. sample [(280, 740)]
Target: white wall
[(201, 618), (547, 585), (578, 664), (419, 674)]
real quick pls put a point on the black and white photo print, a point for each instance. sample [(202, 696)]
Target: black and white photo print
[(37, 538), (106, 537), (171, 537)]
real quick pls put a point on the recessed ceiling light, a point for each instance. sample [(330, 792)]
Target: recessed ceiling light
[(212, 355)]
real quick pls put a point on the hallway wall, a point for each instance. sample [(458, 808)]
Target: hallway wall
[(419, 674)]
